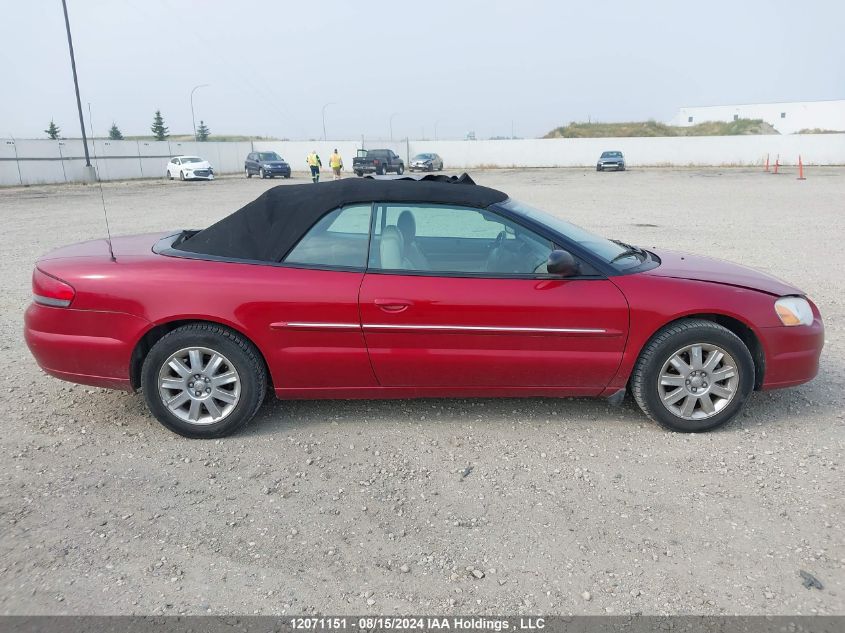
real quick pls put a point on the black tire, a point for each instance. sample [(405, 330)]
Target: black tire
[(181, 175), (247, 172), (662, 346), (400, 170), (441, 167), (287, 175), (359, 173), (261, 173), (169, 175), (244, 358), (598, 169), (381, 171)]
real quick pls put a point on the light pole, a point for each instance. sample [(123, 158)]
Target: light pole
[(391, 124), (324, 118), (76, 85), (193, 120), (435, 129)]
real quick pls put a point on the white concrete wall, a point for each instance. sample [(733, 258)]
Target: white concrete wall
[(30, 162), (818, 149), (786, 118)]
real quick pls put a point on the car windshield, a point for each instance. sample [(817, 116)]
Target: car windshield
[(619, 255), (423, 156), (269, 156), (191, 159), (610, 154)]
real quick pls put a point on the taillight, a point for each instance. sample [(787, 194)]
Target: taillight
[(375, 162), (49, 291)]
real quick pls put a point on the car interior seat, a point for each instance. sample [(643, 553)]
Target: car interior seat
[(392, 248), (408, 227)]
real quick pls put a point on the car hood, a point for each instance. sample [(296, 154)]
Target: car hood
[(200, 165), (699, 268), (611, 159)]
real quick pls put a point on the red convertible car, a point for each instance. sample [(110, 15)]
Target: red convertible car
[(406, 288)]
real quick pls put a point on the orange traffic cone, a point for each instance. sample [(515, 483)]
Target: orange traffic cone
[(767, 162), (800, 169)]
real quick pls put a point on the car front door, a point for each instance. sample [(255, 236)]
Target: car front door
[(458, 298)]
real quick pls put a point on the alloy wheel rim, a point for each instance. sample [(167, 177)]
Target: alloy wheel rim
[(698, 381), (199, 385)]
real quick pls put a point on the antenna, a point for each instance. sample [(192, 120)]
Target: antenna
[(100, 183)]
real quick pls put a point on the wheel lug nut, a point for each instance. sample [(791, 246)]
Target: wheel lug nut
[(694, 389), (704, 384), (190, 384), (208, 390), (199, 393)]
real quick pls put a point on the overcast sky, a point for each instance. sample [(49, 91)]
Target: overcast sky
[(465, 64)]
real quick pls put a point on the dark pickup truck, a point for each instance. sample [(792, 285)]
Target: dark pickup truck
[(380, 161)]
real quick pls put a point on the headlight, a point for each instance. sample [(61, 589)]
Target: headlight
[(794, 311)]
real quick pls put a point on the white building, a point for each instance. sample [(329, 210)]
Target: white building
[(786, 118)]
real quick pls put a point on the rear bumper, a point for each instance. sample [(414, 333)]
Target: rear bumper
[(792, 354), (367, 169), (83, 346)]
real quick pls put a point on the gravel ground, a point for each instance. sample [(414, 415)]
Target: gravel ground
[(440, 506)]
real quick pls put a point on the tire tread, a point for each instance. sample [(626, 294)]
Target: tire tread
[(253, 357), (638, 382)]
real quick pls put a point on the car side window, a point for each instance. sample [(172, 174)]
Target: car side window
[(454, 241), (338, 240)]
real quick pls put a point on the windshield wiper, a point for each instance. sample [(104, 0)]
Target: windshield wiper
[(629, 250)]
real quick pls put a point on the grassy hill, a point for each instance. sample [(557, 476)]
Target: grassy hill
[(653, 128)]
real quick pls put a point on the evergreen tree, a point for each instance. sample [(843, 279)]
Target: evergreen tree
[(53, 131), (203, 132), (115, 133), (158, 128)]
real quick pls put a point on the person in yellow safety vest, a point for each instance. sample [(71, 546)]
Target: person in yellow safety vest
[(336, 163), (314, 163)]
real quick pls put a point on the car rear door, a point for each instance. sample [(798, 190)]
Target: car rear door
[(474, 315), (317, 342)]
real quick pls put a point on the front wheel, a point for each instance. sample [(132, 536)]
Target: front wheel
[(181, 175), (693, 375), (247, 173), (168, 175), (203, 380), (261, 173)]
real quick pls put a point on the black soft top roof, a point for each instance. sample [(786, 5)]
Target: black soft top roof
[(269, 226)]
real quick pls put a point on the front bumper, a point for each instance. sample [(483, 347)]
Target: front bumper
[(792, 353), (200, 174), (276, 171), (611, 165), (83, 346), (420, 167)]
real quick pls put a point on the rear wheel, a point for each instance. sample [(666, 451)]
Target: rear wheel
[(694, 375), (203, 381), (359, 173), (400, 170)]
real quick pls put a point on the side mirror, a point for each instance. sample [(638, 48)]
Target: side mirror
[(562, 263)]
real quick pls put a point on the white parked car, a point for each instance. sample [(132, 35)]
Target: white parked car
[(189, 168)]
